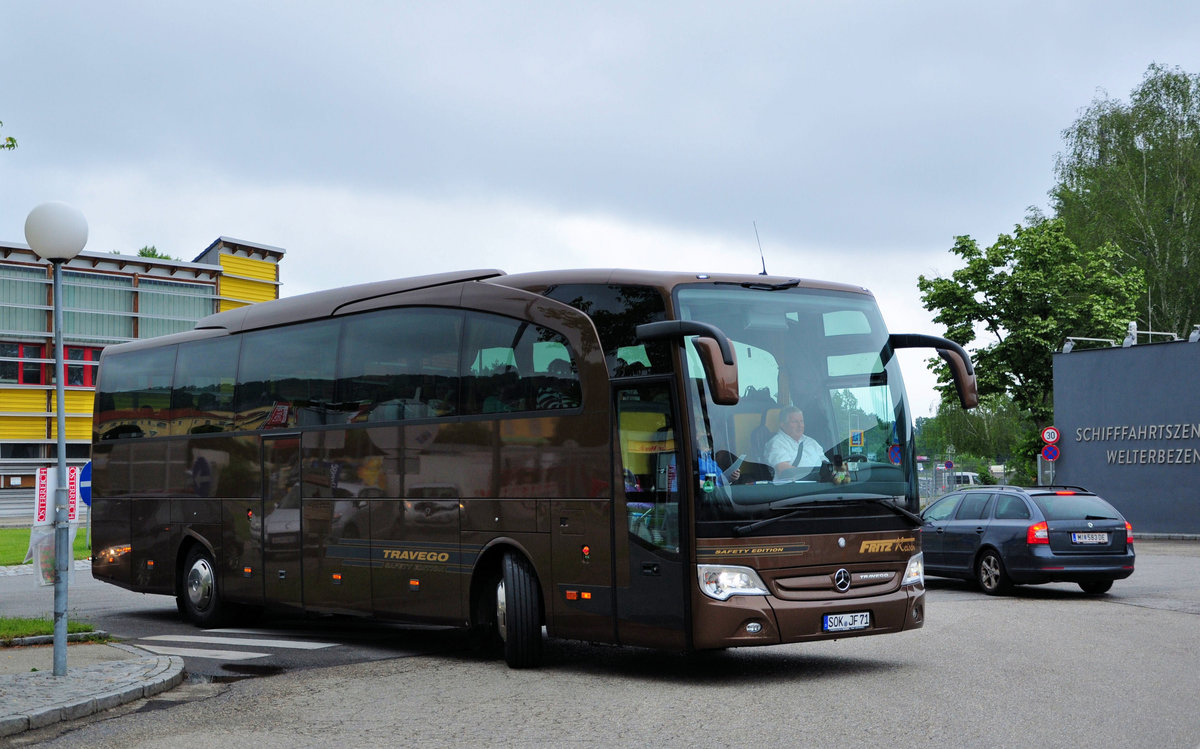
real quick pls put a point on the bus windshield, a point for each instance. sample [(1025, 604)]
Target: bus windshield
[(821, 418)]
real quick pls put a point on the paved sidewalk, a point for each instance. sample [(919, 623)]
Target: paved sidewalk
[(99, 677)]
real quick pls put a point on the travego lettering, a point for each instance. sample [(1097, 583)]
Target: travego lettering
[(416, 556)]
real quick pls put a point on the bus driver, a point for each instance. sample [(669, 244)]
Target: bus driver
[(790, 448)]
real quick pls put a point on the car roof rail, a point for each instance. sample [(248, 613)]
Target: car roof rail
[(1057, 487)]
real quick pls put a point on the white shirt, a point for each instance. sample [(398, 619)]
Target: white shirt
[(783, 449)]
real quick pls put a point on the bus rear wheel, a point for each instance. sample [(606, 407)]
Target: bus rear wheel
[(518, 613), (199, 597)]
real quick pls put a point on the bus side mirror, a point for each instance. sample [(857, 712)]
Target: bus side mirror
[(962, 372), (963, 375), (722, 378), (714, 348)]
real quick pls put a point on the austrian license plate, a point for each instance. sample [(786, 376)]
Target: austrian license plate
[(846, 622), (1089, 538)]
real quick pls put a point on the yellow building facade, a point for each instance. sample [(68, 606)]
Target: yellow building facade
[(107, 299)]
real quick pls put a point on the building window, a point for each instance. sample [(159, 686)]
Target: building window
[(21, 364), (171, 306), (81, 375), (97, 306), (24, 300), (21, 451)]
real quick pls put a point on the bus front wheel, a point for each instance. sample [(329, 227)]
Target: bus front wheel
[(199, 597), (518, 613)]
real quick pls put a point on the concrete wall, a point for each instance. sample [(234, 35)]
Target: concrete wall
[(1130, 425)]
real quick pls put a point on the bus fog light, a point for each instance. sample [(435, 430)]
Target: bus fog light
[(722, 581), (754, 627), (915, 573)]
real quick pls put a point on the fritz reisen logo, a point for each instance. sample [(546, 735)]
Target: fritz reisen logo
[(888, 544)]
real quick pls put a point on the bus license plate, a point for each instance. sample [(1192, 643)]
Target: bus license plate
[(846, 622), (1089, 538)]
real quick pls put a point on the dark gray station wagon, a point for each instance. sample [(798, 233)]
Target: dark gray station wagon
[(1002, 536)]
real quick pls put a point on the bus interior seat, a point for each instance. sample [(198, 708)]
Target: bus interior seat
[(767, 427), (816, 423)]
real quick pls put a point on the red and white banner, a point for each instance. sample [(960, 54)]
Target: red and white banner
[(42, 535), (47, 486)]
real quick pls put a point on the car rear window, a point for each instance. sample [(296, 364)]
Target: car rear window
[(973, 506), (1010, 507), (1074, 507)]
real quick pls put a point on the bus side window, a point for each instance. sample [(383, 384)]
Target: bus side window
[(400, 364), (205, 375), (285, 376), (134, 398), (510, 366), (649, 462), (556, 379)]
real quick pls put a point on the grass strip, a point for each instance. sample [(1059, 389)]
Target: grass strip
[(12, 628), (14, 542)]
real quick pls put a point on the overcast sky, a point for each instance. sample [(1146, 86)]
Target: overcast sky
[(386, 139)]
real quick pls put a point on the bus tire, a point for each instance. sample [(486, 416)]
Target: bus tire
[(518, 613), (199, 597)]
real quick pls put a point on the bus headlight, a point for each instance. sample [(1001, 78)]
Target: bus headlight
[(915, 573), (721, 581)]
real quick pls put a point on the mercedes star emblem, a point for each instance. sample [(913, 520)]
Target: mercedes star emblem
[(841, 580)]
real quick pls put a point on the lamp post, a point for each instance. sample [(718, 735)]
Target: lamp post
[(57, 232)]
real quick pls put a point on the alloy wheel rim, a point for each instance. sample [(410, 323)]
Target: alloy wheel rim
[(990, 568)]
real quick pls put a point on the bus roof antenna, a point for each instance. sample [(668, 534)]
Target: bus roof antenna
[(760, 252)]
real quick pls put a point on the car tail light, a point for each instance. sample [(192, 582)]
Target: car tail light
[(1128, 533), (1038, 533)]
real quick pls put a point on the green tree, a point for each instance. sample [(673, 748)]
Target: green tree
[(152, 251), (7, 143), (1130, 175), (992, 430), (1024, 296), (992, 433)]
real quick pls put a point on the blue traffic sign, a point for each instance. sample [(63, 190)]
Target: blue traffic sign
[(85, 484), (895, 454), (1050, 452)]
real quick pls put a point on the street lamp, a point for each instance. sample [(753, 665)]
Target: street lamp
[(57, 232)]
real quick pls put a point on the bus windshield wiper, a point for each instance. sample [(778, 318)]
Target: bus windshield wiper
[(888, 503), (791, 283), (827, 499), (742, 530)]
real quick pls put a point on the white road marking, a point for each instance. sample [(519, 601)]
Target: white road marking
[(252, 642), (221, 655)]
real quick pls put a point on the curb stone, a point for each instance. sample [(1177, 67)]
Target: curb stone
[(38, 699)]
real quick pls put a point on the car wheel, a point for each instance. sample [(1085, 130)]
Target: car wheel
[(1096, 587), (519, 613), (990, 574), (199, 598)]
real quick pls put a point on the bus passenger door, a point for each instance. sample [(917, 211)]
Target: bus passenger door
[(281, 521), (650, 576)]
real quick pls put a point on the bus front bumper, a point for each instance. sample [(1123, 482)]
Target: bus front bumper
[(766, 620)]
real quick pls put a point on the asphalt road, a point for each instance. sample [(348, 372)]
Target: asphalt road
[(1046, 667)]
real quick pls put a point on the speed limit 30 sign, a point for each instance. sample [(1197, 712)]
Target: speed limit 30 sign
[(1050, 435)]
